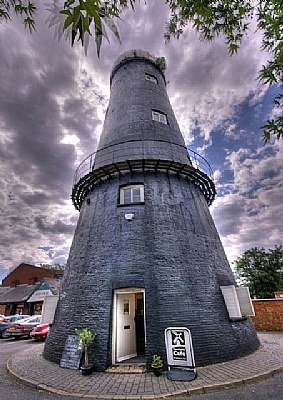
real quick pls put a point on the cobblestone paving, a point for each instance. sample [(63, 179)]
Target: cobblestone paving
[(34, 370)]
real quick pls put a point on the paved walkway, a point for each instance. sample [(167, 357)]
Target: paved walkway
[(34, 370)]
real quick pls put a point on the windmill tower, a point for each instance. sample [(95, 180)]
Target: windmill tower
[(146, 254)]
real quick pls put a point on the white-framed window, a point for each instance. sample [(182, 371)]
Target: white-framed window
[(151, 78), (159, 116), (132, 194)]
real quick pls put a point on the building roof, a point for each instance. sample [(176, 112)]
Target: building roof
[(54, 284), (16, 294), (49, 271), (3, 290)]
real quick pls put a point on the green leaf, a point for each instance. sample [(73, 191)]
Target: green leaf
[(111, 25), (98, 40), (68, 22), (29, 23), (94, 12)]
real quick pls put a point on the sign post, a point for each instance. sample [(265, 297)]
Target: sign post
[(180, 354)]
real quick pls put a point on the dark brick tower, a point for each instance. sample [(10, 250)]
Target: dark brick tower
[(146, 254)]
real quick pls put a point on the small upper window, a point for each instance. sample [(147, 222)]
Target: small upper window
[(158, 116), (151, 78), (132, 194)]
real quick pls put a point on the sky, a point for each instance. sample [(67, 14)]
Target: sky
[(53, 100)]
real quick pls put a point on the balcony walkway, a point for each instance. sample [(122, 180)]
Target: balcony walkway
[(196, 170)]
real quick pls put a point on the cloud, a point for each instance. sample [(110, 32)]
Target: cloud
[(206, 84), (58, 227), (250, 214), (52, 104)]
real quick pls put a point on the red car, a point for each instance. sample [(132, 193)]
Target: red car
[(40, 332)]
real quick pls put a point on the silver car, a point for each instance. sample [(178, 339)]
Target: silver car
[(5, 323), (23, 327)]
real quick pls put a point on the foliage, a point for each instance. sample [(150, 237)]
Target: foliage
[(156, 361), (232, 20), (211, 19), (86, 338), (81, 19), (261, 271), (161, 63), (54, 266), (24, 8), (270, 22)]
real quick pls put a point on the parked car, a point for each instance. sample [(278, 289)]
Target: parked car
[(2, 318), (24, 327), (40, 332), (6, 321)]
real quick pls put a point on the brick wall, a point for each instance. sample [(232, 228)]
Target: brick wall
[(29, 274), (268, 315)]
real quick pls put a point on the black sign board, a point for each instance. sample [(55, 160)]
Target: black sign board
[(71, 355)]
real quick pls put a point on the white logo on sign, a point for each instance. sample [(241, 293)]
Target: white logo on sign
[(178, 340)]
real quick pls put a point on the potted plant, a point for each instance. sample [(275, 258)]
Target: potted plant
[(157, 365), (86, 338)]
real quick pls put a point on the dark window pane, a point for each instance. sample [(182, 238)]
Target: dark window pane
[(127, 196), (136, 195)]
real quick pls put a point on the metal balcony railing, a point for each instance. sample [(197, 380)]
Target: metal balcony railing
[(197, 170), (88, 164), (200, 163)]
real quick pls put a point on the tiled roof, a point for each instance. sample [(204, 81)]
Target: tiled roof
[(17, 294), (54, 284), (3, 290)]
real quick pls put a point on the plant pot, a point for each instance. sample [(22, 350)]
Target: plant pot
[(86, 370), (157, 370)]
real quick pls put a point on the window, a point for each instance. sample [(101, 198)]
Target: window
[(126, 307), (159, 117), (151, 78), (132, 194)]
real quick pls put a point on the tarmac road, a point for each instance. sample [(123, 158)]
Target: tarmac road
[(269, 389)]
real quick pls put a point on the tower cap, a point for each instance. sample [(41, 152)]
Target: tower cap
[(136, 54), (131, 54)]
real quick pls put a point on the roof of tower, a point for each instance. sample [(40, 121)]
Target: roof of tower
[(136, 54)]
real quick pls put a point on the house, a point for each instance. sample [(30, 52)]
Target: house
[(30, 275), (23, 290)]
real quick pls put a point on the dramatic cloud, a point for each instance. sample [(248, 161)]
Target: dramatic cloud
[(52, 105), (250, 215)]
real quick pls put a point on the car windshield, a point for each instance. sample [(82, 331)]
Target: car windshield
[(31, 320), (11, 319)]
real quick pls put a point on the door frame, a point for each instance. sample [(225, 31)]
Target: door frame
[(131, 290)]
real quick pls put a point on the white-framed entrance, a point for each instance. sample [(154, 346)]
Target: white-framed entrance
[(128, 325)]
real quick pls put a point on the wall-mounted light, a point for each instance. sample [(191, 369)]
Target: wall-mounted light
[(129, 217)]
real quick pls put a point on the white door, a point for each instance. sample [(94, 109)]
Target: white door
[(126, 332)]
